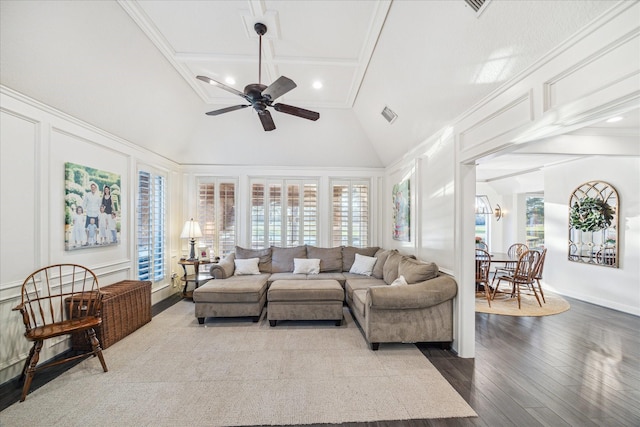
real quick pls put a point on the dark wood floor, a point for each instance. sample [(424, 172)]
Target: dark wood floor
[(578, 368)]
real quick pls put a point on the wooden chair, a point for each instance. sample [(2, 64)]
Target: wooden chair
[(514, 252), (483, 246), (523, 276), (483, 269), (57, 300), (540, 267)]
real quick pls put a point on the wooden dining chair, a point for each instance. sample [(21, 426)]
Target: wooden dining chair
[(483, 246), (483, 269), (514, 252), (58, 300), (523, 277), (540, 267)]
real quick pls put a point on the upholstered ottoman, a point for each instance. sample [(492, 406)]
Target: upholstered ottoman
[(236, 296), (305, 300)]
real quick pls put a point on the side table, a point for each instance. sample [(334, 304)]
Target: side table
[(197, 278)]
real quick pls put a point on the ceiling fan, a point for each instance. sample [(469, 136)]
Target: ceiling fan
[(261, 96)]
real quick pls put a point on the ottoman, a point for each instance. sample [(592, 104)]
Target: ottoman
[(237, 296), (305, 300)]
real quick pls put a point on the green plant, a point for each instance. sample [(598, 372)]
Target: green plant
[(590, 214)]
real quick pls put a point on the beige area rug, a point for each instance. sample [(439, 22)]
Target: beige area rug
[(506, 305), (174, 372)]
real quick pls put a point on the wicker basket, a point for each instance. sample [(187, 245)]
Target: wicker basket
[(126, 306)]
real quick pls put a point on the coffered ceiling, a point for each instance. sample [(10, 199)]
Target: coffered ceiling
[(129, 67), (328, 42)]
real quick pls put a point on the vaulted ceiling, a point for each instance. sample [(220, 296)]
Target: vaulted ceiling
[(130, 67)]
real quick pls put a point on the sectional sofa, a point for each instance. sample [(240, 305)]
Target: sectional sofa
[(393, 297)]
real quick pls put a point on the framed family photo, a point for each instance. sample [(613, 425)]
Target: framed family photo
[(92, 207)]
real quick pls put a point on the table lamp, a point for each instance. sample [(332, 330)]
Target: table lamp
[(191, 230)]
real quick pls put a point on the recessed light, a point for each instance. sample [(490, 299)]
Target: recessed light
[(615, 119), (230, 81), (317, 84)]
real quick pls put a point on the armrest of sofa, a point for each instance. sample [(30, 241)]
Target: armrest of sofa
[(419, 295), (224, 268)]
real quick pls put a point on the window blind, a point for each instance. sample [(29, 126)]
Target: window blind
[(151, 226)]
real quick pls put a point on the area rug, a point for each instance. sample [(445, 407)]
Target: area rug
[(175, 372), (505, 304)]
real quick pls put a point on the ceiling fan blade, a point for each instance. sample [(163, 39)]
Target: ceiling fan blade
[(226, 110), (297, 111), (221, 86), (267, 121), (279, 87)]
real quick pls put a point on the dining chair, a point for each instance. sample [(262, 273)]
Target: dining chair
[(58, 300), (540, 267), (483, 269), (483, 246), (514, 252), (523, 276)]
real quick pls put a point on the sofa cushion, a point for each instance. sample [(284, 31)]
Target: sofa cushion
[(364, 282), (288, 276), (382, 256), (359, 298), (263, 254), (235, 289), (246, 266), (363, 265), (330, 258), (282, 258), (306, 266), (415, 271), (349, 255), (390, 269)]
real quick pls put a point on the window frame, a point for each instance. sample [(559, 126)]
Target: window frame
[(157, 234), (280, 227), (350, 183), (215, 240)]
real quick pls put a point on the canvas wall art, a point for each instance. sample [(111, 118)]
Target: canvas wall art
[(92, 207), (401, 211)]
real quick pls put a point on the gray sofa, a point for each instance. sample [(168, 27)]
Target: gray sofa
[(386, 307)]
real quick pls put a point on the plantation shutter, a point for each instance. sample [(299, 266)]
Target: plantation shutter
[(216, 216), (151, 226), (350, 213)]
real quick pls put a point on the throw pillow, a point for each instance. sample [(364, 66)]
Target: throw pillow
[(306, 266), (417, 271), (246, 266), (363, 265), (349, 252), (264, 264), (400, 281)]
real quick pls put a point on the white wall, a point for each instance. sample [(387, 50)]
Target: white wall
[(35, 143), (617, 288)]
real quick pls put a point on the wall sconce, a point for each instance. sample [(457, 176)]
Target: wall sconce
[(191, 230), (497, 212), (483, 207)]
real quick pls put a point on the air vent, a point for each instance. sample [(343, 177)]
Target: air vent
[(388, 114), (478, 6)]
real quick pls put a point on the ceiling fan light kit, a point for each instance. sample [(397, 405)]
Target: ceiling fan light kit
[(260, 96)]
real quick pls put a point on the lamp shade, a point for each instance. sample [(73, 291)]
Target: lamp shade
[(191, 230)]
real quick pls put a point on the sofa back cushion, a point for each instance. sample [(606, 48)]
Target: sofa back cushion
[(349, 255), (264, 256), (282, 258), (382, 256), (415, 271), (390, 269), (330, 258)]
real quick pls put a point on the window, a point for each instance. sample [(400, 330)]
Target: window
[(151, 226), (217, 215), (283, 212), (350, 213), (535, 220)]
